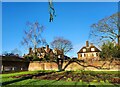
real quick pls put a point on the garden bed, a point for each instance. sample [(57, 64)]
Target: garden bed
[(83, 76)]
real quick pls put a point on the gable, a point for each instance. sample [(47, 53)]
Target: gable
[(89, 49)]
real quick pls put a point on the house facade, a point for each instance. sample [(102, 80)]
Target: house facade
[(89, 52), (44, 52)]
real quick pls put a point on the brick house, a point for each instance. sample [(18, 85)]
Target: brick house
[(42, 52), (89, 52)]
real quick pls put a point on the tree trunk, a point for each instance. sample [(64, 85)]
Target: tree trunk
[(60, 64), (35, 50), (119, 40)]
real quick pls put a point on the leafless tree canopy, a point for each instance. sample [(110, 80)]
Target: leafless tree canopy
[(62, 44), (33, 36), (107, 28)]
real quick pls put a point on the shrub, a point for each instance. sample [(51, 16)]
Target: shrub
[(29, 58), (32, 58), (116, 51), (107, 50), (110, 50)]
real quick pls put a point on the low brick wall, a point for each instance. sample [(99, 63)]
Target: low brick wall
[(42, 66), (75, 66)]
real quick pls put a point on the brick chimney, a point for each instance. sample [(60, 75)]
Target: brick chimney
[(91, 44), (30, 50), (87, 43), (47, 48)]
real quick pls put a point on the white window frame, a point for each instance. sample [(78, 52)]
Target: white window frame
[(92, 49), (84, 50), (95, 55), (83, 55)]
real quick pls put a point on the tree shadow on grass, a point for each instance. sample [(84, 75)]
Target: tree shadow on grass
[(63, 83), (48, 84), (23, 78), (16, 80)]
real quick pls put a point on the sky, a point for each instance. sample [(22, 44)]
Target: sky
[(72, 21)]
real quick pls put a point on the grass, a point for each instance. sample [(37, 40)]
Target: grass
[(5, 77), (8, 81), (42, 82), (54, 82), (25, 72), (96, 72)]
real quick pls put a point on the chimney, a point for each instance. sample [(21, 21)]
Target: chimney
[(47, 48), (87, 43), (30, 50), (91, 44)]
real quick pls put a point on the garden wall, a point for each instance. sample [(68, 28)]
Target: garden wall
[(104, 65), (36, 65)]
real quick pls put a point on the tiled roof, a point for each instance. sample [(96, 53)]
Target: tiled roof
[(41, 50), (88, 49)]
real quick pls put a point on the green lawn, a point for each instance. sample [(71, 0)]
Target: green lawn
[(8, 81), (48, 83), (6, 77)]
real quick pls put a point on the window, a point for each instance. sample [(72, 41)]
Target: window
[(88, 55), (84, 50), (94, 54), (82, 54), (92, 49)]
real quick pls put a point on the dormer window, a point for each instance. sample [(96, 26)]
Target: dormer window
[(92, 49), (84, 50)]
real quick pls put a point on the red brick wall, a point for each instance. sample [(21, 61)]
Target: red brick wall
[(73, 66), (42, 66)]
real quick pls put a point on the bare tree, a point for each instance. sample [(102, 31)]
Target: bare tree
[(62, 44), (33, 37), (107, 29)]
